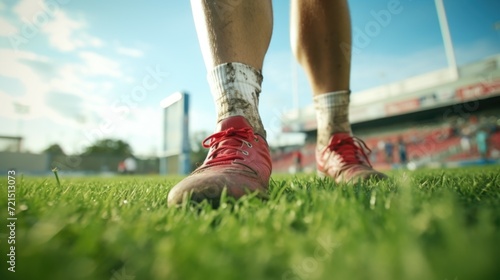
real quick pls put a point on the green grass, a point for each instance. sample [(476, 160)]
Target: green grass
[(429, 224)]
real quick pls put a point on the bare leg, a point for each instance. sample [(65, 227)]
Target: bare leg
[(321, 40), (234, 37), (233, 30), (321, 36)]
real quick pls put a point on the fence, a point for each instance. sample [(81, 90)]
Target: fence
[(43, 163)]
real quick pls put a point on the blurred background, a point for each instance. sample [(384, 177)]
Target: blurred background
[(82, 83)]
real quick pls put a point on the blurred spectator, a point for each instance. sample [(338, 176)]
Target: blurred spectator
[(482, 142), (298, 161), (121, 167), (402, 150), (492, 124), (389, 147), (381, 145), (465, 140)]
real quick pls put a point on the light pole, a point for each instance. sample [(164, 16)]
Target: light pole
[(448, 44)]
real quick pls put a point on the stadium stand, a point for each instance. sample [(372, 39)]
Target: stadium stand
[(433, 113)]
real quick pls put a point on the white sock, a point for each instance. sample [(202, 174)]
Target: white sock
[(332, 115), (236, 88)]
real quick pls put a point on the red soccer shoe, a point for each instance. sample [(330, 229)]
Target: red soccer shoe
[(238, 160), (345, 160)]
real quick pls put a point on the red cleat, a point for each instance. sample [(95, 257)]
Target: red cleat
[(345, 159), (238, 160)]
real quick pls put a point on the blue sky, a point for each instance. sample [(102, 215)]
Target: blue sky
[(71, 65)]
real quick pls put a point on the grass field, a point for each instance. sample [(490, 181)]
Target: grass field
[(428, 224)]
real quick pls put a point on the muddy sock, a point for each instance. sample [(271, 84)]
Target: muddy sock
[(235, 88), (332, 115)]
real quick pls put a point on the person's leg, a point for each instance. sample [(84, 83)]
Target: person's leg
[(321, 41), (321, 36), (234, 37), (233, 31)]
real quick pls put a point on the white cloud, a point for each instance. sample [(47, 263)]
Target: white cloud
[(84, 40), (67, 93), (71, 102), (99, 65), (69, 79), (40, 94), (130, 52), (7, 28), (61, 32), (26, 10), (49, 18), (34, 85)]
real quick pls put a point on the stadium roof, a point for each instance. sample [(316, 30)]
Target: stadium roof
[(431, 90)]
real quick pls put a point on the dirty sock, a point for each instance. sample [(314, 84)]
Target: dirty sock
[(332, 115), (235, 88)]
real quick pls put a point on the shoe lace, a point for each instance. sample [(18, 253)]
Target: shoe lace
[(350, 150), (226, 145)]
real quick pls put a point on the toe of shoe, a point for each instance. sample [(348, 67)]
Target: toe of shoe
[(360, 173), (196, 190), (210, 185)]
